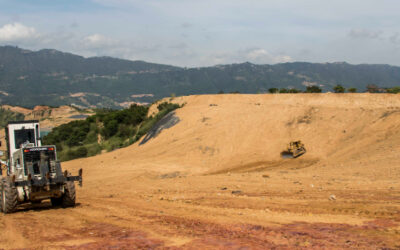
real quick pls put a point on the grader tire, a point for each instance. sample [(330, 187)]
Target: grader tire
[(9, 197), (68, 198)]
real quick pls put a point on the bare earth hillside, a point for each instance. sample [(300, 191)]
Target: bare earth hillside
[(212, 177), (49, 117)]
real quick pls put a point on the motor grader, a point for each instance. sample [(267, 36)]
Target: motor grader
[(294, 150), (33, 173)]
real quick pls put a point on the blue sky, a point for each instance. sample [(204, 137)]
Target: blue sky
[(203, 33)]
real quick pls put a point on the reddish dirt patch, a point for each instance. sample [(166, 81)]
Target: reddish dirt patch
[(318, 235), (108, 236)]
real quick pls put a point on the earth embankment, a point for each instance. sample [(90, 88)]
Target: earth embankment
[(212, 178)]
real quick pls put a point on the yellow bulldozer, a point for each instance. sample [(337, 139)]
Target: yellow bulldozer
[(294, 150)]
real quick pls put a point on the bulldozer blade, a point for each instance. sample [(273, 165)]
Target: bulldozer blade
[(299, 152), (287, 155)]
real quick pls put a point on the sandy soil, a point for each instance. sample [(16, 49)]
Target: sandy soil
[(216, 180)]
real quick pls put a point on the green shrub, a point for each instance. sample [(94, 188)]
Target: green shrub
[(313, 89), (273, 90), (293, 90), (91, 137), (110, 128), (74, 153), (113, 143), (167, 106), (352, 90), (339, 89), (125, 131), (81, 152), (283, 91), (394, 90), (93, 149)]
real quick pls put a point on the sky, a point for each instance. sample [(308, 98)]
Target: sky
[(195, 33)]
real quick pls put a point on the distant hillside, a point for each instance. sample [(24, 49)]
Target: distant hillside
[(49, 117), (51, 77), (7, 115)]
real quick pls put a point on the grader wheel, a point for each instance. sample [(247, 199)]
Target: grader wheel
[(8, 196)]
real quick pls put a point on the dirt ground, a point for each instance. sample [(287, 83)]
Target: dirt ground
[(216, 180)]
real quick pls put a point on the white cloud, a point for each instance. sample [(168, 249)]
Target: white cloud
[(258, 55), (190, 33), (17, 32), (253, 55), (98, 41)]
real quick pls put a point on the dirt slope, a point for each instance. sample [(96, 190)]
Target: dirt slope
[(215, 179), (235, 132)]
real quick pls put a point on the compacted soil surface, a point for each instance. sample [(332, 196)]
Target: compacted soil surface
[(214, 179)]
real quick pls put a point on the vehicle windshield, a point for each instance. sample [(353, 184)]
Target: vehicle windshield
[(24, 135), (37, 158)]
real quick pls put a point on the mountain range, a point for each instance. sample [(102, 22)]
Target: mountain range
[(50, 77)]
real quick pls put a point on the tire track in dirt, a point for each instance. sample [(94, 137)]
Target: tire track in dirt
[(236, 236)]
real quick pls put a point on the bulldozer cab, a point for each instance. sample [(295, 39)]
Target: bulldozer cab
[(295, 144)]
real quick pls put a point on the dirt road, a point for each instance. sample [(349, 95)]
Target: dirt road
[(216, 180)]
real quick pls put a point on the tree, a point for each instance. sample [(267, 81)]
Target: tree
[(283, 90), (352, 90), (273, 90), (313, 89), (293, 90), (339, 89), (394, 90), (110, 128)]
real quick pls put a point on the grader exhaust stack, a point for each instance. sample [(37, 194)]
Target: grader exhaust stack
[(294, 150)]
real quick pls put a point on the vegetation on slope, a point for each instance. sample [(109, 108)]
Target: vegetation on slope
[(106, 130)]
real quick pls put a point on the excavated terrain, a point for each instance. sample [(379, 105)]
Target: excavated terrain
[(210, 176)]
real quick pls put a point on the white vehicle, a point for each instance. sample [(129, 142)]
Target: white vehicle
[(33, 172)]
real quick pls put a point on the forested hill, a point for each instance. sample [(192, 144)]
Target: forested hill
[(51, 77)]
